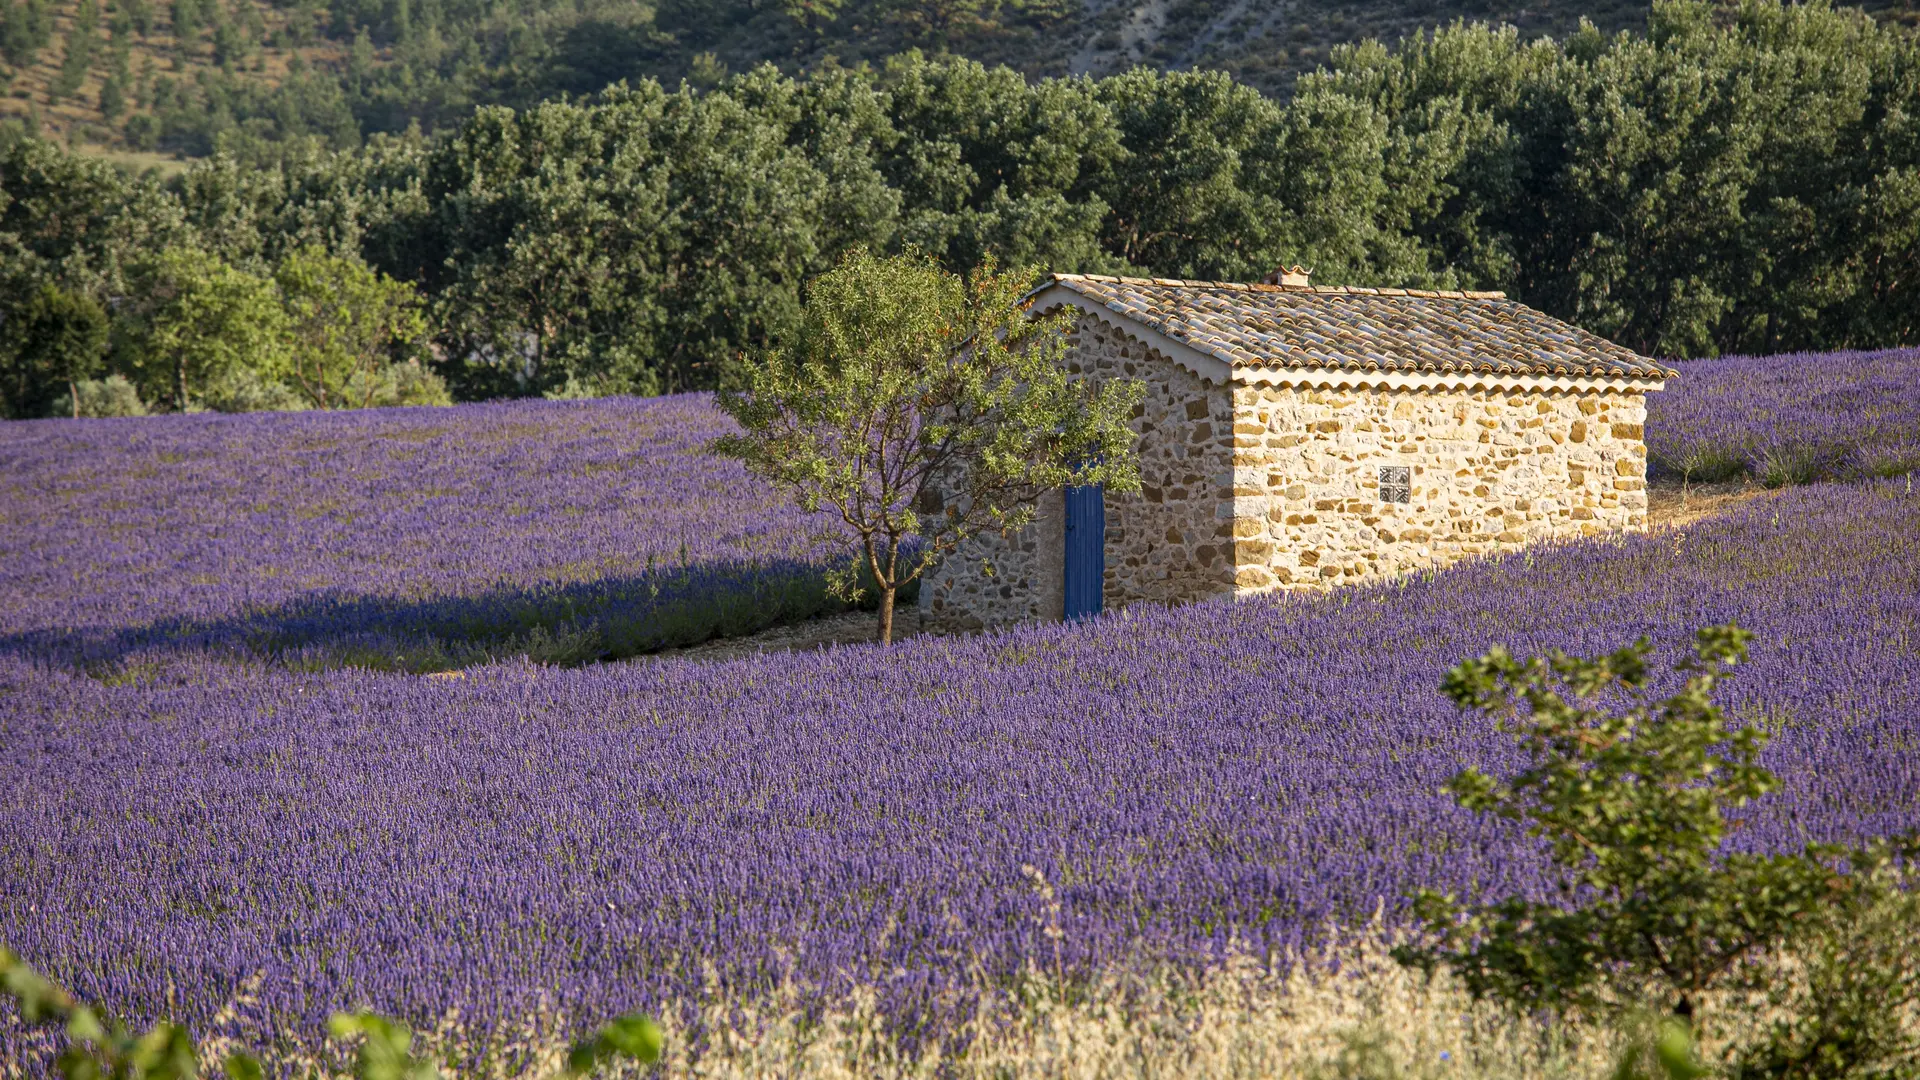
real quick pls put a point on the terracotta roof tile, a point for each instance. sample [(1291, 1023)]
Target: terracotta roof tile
[(1341, 327)]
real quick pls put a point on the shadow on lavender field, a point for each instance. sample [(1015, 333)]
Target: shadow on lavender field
[(405, 539), (612, 618)]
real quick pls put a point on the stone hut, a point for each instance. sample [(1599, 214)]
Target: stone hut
[(1302, 436)]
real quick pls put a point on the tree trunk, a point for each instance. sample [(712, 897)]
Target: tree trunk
[(73, 395), (886, 615)]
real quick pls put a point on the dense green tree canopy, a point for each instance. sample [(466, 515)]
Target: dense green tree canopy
[(1734, 179), (58, 338)]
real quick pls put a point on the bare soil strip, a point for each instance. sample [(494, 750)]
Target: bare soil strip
[(1670, 503), (846, 629)]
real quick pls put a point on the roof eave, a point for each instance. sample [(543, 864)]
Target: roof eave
[(1056, 293), (1465, 381)]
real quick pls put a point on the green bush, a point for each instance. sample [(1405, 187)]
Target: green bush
[(111, 396), (405, 383), (1633, 796), (242, 389)]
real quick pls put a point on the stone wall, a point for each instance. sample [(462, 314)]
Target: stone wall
[(1171, 542), (1488, 470), (1254, 488)]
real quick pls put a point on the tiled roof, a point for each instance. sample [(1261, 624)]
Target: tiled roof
[(1357, 329)]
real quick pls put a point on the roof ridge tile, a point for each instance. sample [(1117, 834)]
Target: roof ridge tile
[(1256, 286)]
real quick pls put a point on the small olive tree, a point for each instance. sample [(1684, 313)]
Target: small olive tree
[(924, 406)]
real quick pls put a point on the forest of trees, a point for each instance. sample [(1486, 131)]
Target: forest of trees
[(247, 77), (251, 77), (1731, 180)]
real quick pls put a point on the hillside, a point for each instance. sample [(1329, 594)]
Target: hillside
[(179, 78), (136, 76)]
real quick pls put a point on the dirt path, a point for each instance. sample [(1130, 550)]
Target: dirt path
[(1669, 503), (850, 628)]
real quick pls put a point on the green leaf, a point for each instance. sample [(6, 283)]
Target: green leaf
[(386, 1052), (1673, 1048), (637, 1037), (165, 1053), (242, 1066), (83, 1025), (75, 1063), (634, 1037)]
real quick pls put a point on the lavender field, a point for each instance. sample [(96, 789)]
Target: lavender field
[(1790, 419), (1183, 777), (394, 537), (196, 793), (428, 539)]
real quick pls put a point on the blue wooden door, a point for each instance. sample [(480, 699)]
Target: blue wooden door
[(1086, 550)]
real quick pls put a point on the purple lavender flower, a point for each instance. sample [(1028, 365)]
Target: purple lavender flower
[(177, 815), (1183, 778), (389, 537), (1790, 419)]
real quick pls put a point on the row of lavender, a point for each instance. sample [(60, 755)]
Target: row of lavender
[(1184, 778), (405, 538), (426, 539), (1790, 419)]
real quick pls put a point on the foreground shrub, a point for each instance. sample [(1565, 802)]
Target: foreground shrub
[(1634, 796)]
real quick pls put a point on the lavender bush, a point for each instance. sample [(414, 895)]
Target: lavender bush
[(1790, 419), (408, 538), (428, 539), (172, 823), (1180, 779)]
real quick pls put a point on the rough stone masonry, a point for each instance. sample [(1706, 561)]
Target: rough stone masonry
[(1266, 477)]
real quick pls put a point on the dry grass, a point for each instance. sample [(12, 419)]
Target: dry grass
[(1349, 1012), (1238, 1020), (1670, 502)]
